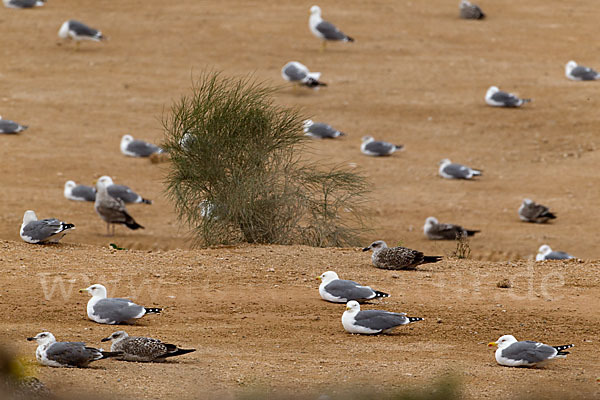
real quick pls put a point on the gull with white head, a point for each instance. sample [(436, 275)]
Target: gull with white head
[(66, 354), (112, 210), (450, 170), (378, 148), (320, 130), (580, 73), (138, 148), (437, 231), (79, 31), (325, 30), (49, 230), (337, 290), (512, 353), (371, 322), (529, 211), (467, 10), (546, 253), (299, 74), (497, 98)]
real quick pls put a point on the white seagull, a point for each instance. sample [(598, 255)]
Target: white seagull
[(497, 98), (370, 322), (377, 148), (325, 30), (138, 148), (299, 74), (10, 127), (512, 353), (49, 230), (450, 170), (580, 73), (546, 253), (337, 290), (23, 3), (320, 130), (79, 31)]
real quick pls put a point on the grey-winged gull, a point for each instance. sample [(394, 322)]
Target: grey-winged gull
[(123, 192), (320, 130), (77, 192), (79, 31), (112, 311), (66, 354), (49, 230), (436, 231), (530, 211), (142, 349), (111, 209), (467, 10), (337, 290), (378, 148), (450, 170), (580, 73), (11, 127), (370, 322), (497, 98), (397, 257), (299, 74), (325, 30), (138, 148), (512, 353), (546, 253), (23, 3)]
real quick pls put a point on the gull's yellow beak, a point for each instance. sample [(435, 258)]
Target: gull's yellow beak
[(347, 307), (319, 277), (492, 344), (82, 290)]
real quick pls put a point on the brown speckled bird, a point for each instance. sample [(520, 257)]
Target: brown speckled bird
[(533, 212), (143, 349), (397, 257)]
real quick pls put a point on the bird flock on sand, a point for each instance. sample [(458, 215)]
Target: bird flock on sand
[(109, 203)]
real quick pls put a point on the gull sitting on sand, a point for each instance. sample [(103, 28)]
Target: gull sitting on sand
[(512, 353), (397, 257), (371, 322)]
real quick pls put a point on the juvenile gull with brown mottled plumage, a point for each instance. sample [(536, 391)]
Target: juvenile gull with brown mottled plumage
[(142, 349), (397, 257)]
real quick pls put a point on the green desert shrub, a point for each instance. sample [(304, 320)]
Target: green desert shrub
[(237, 171)]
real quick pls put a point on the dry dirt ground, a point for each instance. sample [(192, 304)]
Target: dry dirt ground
[(416, 75)]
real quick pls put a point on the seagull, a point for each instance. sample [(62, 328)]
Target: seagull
[(450, 170), (337, 290), (397, 257), (580, 73), (376, 148), (497, 98), (49, 230), (123, 192), (142, 349), (370, 322), (66, 354), (8, 126), (325, 30), (299, 74), (112, 311), (470, 11), (512, 353), (533, 212), (138, 148), (436, 231), (546, 253), (320, 130), (79, 31), (23, 3), (112, 210), (77, 192)]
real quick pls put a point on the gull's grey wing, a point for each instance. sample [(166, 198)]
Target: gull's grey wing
[(530, 351), (143, 149), (117, 310), (349, 290), (124, 193), (23, 3), (72, 353), (558, 255), (584, 73), (381, 148), (87, 193), (329, 31), (43, 229), (471, 11), (534, 211), (81, 29), (506, 98), (8, 126), (294, 73), (379, 319), (322, 130), (447, 231), (457, 171)]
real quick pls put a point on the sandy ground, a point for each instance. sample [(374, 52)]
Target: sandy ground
[(416, 75)]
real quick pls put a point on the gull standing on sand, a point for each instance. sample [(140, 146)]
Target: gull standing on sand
[(450, 170), (66, 354), (325, 30), (436, 231), (112, 210), (580, 73), (397, 257), (138, 148), (49, 230), (377, 148), (142, 349), (497, 98), (112, 311), (546, 253), (11, 127), (79, 31), (533, 212), (470, 11), (337, 290), (512, 353), (320, 130), (371, 322), (299, 74)]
